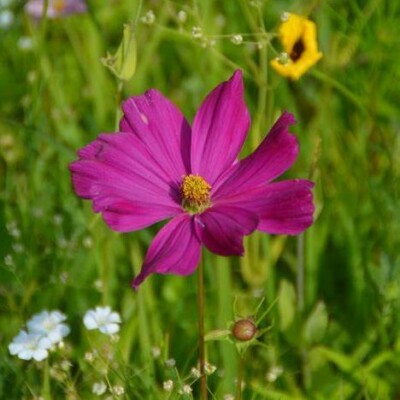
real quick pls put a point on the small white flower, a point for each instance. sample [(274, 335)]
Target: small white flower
[(168, 385), (87, 242), (186, 389), (195, 372), (274, 373), (209, 368), (12, 227), (99, 388), (237, 39), (8, 260), (228, 396), (155, 351), (98, 284), (170, 362), (58, 219), (283, 58), (118, 390), (149, 18), (6, 19), (197, 33), (182, 16), (103, 319), (49, 325), (65, 365), (18, 247), (89, 356), (30, 345), (285, 16)]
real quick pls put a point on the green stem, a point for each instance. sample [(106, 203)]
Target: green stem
[(118, 98), (239, 381), (200, 297), (300, 272), (46, 392)]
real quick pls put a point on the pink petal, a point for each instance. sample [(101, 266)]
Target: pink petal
[(221, 228), (176, 249), (276, 153), (163, 130), (284, 207), (219, 129), (124, 183)]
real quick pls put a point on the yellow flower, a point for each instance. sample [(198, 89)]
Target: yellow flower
[(298, 36)]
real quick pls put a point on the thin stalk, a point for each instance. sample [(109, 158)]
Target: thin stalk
[(239, 381), (200, 298), (300, 272), (46, 392), (118, 98)]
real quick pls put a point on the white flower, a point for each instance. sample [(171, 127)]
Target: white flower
[(168, 385), (209, 368), (6, 18), (149, 18), (170, 362), (118, 390), (197, 32), (49, 325), (156, 352), (186, 389), (30, 345), (274, 373), (99, 388), (195, 372), (285, 16), (237, 39), (103, 319), (182, 16)]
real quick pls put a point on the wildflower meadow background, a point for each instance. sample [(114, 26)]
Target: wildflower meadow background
[(322, 309)]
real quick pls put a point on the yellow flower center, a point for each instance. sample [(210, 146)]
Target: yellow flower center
[(195, 194), (59, 5)]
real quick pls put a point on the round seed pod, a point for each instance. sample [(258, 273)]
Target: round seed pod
[(244, 329)]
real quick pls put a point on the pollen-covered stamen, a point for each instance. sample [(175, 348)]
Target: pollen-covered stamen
[(195, 193), (59, 5)]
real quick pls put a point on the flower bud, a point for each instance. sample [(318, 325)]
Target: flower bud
[(244, 329), (123, 63)]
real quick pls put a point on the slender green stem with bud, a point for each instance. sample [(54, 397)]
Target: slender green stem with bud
[(200, 297)]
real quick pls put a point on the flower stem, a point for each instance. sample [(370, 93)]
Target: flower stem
[(200, 297), (239, 380), (300, 272), (46, 392)]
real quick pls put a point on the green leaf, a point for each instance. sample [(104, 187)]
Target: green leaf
[(286, 304), (217, 334), (315, 327)]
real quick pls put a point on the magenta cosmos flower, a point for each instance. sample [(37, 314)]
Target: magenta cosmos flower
[(158, 167), (55, 8)]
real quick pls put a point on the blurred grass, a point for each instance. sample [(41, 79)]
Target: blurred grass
[(57, 96)]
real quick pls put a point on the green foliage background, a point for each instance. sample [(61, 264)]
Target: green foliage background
[(344, 343)]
